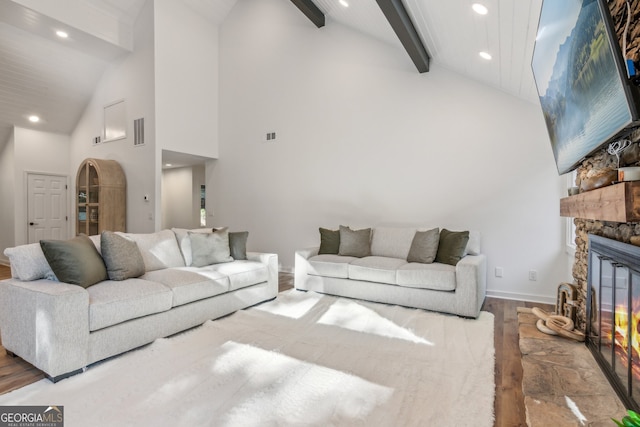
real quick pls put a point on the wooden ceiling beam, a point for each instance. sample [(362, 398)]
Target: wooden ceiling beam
[(311, 11), (400, 21)]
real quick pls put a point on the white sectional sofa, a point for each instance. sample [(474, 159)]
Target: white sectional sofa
[(61, 327), (389, 273)]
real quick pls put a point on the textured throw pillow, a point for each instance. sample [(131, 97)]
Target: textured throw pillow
[(28, 263), (452, 246), (75, 261), (329, 241), (121, 256), (210, 248), (356, 243), (424, 246), (238, 244)]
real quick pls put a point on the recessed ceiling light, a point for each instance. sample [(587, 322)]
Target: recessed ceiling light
[(62, 34), (480, 9), (344, 3), (485, 55), (168, 165), (34, 119)]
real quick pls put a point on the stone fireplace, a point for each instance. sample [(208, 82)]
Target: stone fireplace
[(613, 310), (600, 163)]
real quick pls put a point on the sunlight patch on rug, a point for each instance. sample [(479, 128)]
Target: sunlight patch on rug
[(353, 316), (281, 389), (294, 308)]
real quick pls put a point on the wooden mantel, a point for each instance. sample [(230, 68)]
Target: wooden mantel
[(618, 203)]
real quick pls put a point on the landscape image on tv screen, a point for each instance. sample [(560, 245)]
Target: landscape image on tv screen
[(578, 80)]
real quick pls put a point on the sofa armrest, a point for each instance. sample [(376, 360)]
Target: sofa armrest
[(46, 323), (471, 284), (271, 261), (301, 266)]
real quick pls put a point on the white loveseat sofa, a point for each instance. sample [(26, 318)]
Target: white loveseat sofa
[(61, 328), (385, 274)]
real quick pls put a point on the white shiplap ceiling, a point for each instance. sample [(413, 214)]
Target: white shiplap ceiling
[(40, 74)]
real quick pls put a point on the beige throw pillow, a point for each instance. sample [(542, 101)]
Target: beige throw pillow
[(210, 248), (356, 243), (424, 246)]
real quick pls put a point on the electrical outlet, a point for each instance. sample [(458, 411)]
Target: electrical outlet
[(499, 272), (533, 275)]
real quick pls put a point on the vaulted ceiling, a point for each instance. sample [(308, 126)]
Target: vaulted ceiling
[(54, 78)]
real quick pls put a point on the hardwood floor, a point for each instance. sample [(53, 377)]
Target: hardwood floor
[(5, 272), (509, 403)]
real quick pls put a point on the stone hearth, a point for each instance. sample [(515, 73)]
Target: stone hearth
[(557, 369)]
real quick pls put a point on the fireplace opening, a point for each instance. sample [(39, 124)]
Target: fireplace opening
[(613, 310)]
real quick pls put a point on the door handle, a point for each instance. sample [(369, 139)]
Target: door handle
[(33, 223)]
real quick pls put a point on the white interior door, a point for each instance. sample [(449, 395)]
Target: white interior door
[(47, 207)]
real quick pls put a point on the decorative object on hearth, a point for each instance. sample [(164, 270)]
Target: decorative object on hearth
[(562, 322), (554, 324), (567, 301)]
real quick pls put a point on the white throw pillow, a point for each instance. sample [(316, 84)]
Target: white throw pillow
[(29, 263)]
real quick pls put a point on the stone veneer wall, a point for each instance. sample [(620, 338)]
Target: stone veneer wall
[(601, 162)]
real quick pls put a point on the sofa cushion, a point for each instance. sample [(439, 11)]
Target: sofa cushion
[(330, 265), (112, 302), (189, 284), (392, 242), (329, 241), (436, 276), (452, 246), (424, 246), (355, 243), (121, 256), (376, 269), (159, 250), (210, 248), (238, 244), (241, 273), (75, 261), (184, 242), (29, 263)]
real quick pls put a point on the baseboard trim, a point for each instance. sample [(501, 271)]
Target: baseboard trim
[(542, 299)]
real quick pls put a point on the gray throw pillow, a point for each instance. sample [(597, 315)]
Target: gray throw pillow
[(452, 246), (75, 261), (238, 244), (424, 246), (329, 241), (356, 243), (210, 248), (121, 256)]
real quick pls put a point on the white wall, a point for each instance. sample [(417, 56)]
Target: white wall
[(177, 198), (131, 79), (186, 80), (7, 195), (41, 152), (363, 139), (181, 196)]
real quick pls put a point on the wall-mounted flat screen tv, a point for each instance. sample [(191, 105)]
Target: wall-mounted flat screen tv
[(586, 97)]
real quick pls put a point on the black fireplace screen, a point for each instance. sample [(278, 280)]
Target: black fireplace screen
[(613, 310)]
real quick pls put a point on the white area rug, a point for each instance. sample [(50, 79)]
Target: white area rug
[(304, 359)]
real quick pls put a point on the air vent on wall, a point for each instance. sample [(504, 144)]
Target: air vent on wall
[(138, 131)]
